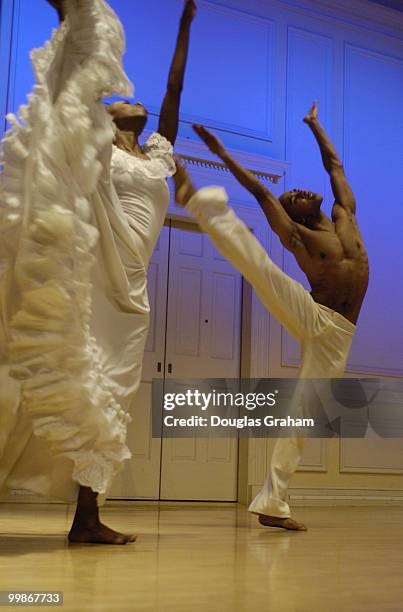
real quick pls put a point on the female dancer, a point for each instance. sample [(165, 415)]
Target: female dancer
[(74, 332), (332, 255)]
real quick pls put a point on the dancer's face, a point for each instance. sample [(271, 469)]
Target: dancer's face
[(127, 116), (300, 204)]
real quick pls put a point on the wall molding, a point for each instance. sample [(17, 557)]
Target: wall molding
[(353, 50), (266, 23), (261, 164), (322, 497), (300, 497), (316, 461), (220, 167), (360, 13), (247, 19), (346, 466), (22, 496)]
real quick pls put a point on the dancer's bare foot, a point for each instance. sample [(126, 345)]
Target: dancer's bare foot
[(284, 523), (98, 534), (87, 527)]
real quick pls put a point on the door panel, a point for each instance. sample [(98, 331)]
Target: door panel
[(204, 308), (203, 341)]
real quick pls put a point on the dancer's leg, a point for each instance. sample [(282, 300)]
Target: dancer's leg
[(87, 526)]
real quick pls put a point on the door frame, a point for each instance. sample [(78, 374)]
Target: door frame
[(181, 216)]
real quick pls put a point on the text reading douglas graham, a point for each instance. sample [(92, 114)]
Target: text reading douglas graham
[(193, 398), (236, 422)]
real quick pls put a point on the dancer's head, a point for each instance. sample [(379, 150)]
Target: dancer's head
[(301, 205), (128, 117)]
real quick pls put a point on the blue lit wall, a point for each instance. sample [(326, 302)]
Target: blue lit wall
[(254, 68), (252, 73)]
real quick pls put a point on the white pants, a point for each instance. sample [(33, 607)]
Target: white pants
[(293, 307), (271, 499)]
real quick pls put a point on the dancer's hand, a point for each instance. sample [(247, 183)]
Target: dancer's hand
[(214, 144), (313, 114), (189, 10), (184, 188), (58, 5)]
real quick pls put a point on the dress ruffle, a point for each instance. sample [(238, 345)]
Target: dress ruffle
[(160, 165), (50, 170), (160, 150)]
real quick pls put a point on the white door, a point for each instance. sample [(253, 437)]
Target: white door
[(203, 341), (201, 292), (140, 478)]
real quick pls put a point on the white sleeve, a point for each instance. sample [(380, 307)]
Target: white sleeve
[(161, 151)]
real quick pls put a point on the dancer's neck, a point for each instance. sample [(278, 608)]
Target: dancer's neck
[(128, 141), (319, 222)]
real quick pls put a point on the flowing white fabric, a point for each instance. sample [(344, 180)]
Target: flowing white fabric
[(325, 335), (59, 215)]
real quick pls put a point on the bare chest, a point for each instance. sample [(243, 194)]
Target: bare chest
[(340, 240), (337, 269)]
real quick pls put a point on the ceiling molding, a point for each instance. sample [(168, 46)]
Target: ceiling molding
[(395, 5), (366, 14)]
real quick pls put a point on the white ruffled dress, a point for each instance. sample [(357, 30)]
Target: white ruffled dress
[(73, 291)]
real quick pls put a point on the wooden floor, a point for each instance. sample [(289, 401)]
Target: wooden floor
[(209, 557)]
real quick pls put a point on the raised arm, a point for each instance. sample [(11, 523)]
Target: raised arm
[(340, 187), (58, 5), (169, 115), (277, 217)]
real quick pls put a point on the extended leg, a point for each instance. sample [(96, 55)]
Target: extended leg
[(289, 303)]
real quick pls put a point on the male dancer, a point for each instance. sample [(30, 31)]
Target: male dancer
[(332, 255)]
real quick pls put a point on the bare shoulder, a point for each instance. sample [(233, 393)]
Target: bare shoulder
[(348, 232), (344, 218), (297, 244)]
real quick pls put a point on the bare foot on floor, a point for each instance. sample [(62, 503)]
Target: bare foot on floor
[(284, 523), (98, 534)]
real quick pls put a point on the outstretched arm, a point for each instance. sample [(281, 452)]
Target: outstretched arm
[(169, 115), (341, 189), (277, 217)]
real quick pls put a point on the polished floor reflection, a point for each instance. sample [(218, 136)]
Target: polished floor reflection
[(208, 557)]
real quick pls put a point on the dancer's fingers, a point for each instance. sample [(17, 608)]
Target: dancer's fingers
[(214, 144), (190, 8)]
